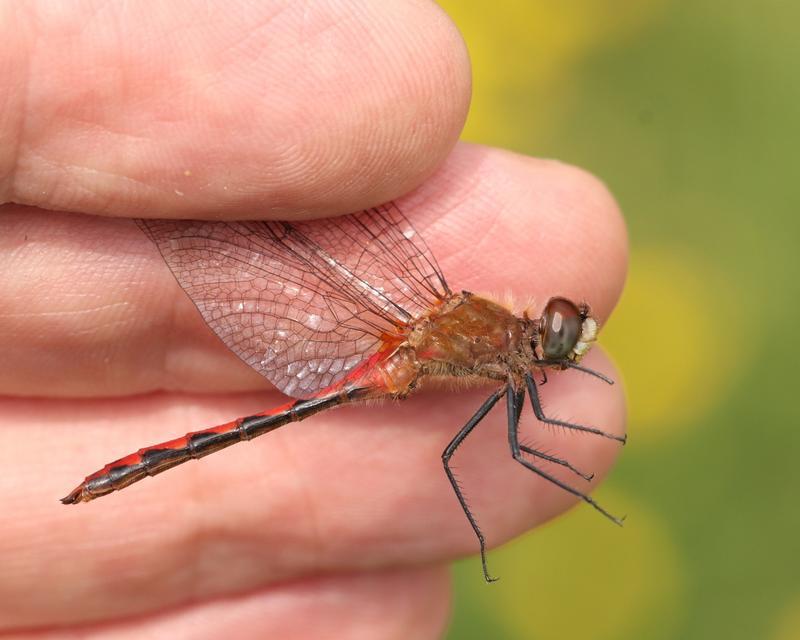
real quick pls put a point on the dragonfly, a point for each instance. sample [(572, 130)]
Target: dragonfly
[(351, 309)]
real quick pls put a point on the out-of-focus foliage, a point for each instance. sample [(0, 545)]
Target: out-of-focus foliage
[(688, 109)]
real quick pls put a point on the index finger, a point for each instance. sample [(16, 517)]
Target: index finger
[(285, 110)]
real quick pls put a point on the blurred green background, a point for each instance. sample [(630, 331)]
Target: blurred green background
[(689, 111)]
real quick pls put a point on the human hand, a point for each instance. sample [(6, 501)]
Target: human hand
[(339, 527)]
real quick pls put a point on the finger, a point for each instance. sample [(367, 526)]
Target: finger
[(271, 109), (93, 297), (389, 604), (359, 487), (500, 222)]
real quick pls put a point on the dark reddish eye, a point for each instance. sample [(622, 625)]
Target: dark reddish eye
[(561, 327)]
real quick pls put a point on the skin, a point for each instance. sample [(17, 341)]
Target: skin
[(342, 525)]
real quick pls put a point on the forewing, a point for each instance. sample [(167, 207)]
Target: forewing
[(382, 247), (303, 303)]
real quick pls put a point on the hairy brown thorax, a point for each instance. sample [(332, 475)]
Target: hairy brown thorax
[(464, 336)]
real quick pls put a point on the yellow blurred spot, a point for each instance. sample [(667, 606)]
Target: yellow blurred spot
[(677, 338), (788, 627), (583, 577), (529, 46)]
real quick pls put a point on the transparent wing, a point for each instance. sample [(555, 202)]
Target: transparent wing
[(303, 303), (383, 249)]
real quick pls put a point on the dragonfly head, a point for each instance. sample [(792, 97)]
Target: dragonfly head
[(563, 335), (565, 332)]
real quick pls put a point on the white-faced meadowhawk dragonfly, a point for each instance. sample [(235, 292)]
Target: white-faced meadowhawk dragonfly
[(350, 309)]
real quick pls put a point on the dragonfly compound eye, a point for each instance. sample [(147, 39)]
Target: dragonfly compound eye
[(560, 329)]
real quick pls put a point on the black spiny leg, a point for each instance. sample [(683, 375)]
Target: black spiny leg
[(519, 399), (516, 452), (546, 456), (536, 403), (480, 414)]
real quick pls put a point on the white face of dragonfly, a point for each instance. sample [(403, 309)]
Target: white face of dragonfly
[(566, 331), (587, 337)]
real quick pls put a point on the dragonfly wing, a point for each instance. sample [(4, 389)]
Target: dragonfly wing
[(302, 305), (382, 247)]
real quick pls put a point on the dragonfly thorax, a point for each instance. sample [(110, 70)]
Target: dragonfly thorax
[(471, 335), (474, 336)]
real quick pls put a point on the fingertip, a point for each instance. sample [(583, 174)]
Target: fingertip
[(285, 110), (596, 222), (501, 221)]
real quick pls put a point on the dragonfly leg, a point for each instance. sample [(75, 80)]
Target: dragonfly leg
[(564, 463), (514, 410), (480, 414), (536, 403)]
